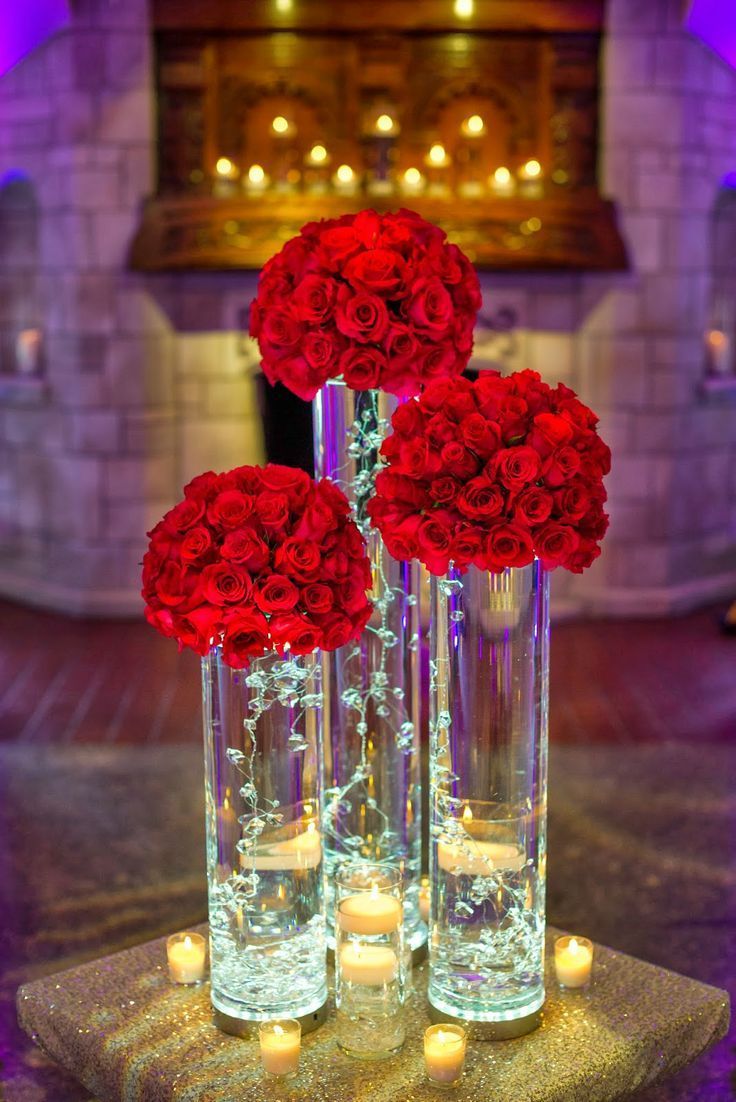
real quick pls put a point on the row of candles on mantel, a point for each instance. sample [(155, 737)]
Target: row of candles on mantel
[(318, 175), (368, 965)]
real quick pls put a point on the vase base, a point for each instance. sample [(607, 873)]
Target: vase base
[(247, 1028), (490, 1031)]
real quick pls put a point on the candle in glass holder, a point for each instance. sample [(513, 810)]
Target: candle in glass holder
[(281, 1043), (502, 182), (256, 180), (444, 1053), (573, 961), (186, 956), (370, 965), (369, 913), (424, 899), (412, 181)]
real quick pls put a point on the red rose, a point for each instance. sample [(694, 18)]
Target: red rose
[(275, 593), (508, 545), (225, 583), (466, 547), (336, 246), (362, 367), (295, 632), (175, 585), (533, 506), (430, 307), (481, 436), (298, 559), (416, 459), (313, 299), (245, 636), (561, 465), (480, 499), (230, 509), (515, 467), (337, 630), (555, 544), (280, 333), (317, 598), (401, 540), (550, 431), (199, 628), (245, 546), (438, 361), (571, 502), (184, 515), (320, 348), (444, 490), (361, 316), (380, 271), (196, 544), (273, 510), (407, 419), (201, 485), (289, 480), (434, 539), (400, 344), (440, 431), (457, 461)]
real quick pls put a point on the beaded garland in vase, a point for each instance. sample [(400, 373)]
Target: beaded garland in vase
[(248, 570), (359, 313), (491, 485)]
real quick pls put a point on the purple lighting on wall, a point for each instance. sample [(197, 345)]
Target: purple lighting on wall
[(714, 23), (25, 24)]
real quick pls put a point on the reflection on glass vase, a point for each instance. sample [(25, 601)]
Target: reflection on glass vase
[(489, 661), (263, 789), (371, 729)]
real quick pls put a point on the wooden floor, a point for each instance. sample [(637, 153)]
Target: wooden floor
[(65, 680)]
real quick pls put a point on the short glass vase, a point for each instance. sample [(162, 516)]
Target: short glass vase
[(263, 791), (370, 960)]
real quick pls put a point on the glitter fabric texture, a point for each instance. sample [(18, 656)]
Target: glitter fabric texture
[(127, 1033)]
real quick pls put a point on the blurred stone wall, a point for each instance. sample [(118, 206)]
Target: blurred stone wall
[(147, 380)]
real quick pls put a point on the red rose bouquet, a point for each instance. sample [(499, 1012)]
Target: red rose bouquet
[(256, 559), (493, 473), (381, 300)]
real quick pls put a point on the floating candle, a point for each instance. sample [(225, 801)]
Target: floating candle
[(371, 965), (471, 857), (303, 851), (424, 899), (186, 956), (369, 913), (573, 961)]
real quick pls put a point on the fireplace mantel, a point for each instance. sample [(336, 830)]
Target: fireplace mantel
[(525, 73)]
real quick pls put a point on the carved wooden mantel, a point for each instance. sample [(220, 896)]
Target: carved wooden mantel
[(527, 68)]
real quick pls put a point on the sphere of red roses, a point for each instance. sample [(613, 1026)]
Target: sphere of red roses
[(493, 473), (381, 300), (258, 559)]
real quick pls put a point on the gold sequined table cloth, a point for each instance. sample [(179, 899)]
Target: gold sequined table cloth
[(129, 1035)]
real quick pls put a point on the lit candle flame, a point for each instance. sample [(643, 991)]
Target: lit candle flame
[(256, 174), (467, 814), (280, 124), (224, 166), (475, 124), (279, 1029), (502, 175), (437, 154), (385, 124), (532, 169), (573, 946), (187, 942), (344, 174)]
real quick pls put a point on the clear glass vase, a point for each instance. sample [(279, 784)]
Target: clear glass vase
[(371, 717), (263, 788), (489, 661)]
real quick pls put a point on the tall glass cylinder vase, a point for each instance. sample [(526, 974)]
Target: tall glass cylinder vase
[(263, 788), (371, 718), (489, 660)]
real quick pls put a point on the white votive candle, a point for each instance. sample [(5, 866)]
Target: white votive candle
[(281, 1044), (371, 965), (186, 956), (424, 899), (573, 961), (444, 1053), (370, 913)]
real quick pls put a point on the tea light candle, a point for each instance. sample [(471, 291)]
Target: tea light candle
[(369, 913), (186, 956), (573, 961), (444, 1053), (281, 1043), (424, 899), (371, 965)]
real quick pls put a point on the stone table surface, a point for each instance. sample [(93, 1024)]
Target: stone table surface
[(132, 1036), (102, 848)]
